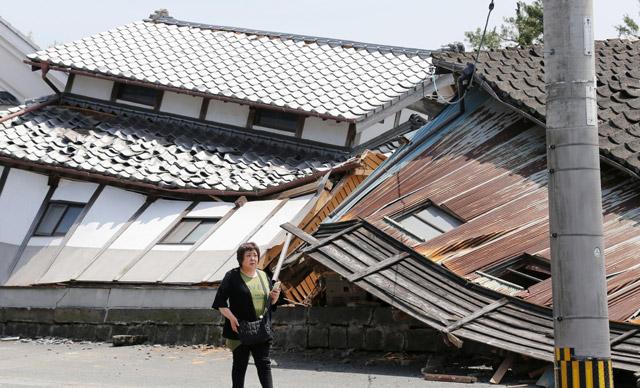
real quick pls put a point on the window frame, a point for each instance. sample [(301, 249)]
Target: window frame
[(514, 265), (215, 220), (68, 204), (256, 114), (118, 87), (394, 218)]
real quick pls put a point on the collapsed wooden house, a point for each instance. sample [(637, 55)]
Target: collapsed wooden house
[(174, 142), (453, 227)]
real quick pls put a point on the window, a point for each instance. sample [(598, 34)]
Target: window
[(524, 271), (137, 94), (189, 231), (425, 222), (58, 218), (284, 121)]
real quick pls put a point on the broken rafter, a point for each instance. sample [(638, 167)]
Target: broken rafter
[(378, 267), (476, 314)]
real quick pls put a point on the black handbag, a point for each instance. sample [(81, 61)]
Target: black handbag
[(257, 332)]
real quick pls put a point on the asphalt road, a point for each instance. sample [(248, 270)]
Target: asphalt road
[(85, 364)]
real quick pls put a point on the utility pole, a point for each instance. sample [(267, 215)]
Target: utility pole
[(581, 323)]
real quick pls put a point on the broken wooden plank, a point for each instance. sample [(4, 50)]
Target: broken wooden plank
[(502, 370), (378, 266), (623, 337), (476, 314), (450, 378), (299, 233)]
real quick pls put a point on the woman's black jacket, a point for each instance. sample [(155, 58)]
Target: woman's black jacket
[(234, 294)]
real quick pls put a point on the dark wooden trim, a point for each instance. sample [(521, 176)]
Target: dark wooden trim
[(155, 241), (251, 118), (3, 177), (301, 120), (119, 232), (53, 184), (351, 135), (114, 91), (396, 120), (204, 108), (247, 237), (158, 103), (197, 245), (69, 85), (73, 228)]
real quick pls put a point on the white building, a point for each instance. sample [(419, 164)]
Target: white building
[(16, 78), (174, 142)]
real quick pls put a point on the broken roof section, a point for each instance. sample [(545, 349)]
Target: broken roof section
[(160, 152), (330, 78), (395, 273), (517, 77)]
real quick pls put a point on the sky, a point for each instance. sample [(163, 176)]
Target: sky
[(426, 24)]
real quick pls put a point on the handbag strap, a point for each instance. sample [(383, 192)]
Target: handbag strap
[(266, 294)]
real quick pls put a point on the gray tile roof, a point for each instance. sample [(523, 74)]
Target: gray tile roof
[(7, 99), (517, 75), (159, 150), (325, 77)]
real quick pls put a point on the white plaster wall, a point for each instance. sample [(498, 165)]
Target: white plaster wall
[(325, 131), (231, 233), (211, 209), (74, 191), (19, 202), (45, 241), (92, 87), (374, 130), (265, 236), (16, 77), (158, 216), (181, 104), (227, 113), (109, 213)]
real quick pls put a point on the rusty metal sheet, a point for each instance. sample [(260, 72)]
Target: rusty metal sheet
[(488, 168)]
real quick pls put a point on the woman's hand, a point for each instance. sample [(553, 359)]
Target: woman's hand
[(234, 323), (232, 318), (274, 294)]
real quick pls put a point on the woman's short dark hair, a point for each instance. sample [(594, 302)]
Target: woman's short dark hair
[(243, 248)]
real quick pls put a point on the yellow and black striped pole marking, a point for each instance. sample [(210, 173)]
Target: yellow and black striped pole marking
[(573, 372)]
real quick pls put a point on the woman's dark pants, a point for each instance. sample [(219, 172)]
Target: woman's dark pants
[(261, 358)]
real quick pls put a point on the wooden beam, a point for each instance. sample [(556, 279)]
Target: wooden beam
[(299, 233), (623, 337), (204, 108), (378, 266), (449, 378), (476, 314), (53, 184), (502, 370), (3, 177)]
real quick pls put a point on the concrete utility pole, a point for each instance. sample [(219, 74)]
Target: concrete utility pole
[(581, 324)]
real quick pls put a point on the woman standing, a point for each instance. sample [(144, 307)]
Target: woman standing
[(242, 296)]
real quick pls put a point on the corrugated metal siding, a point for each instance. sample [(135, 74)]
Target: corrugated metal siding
[(488, 167), (439, 298)]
